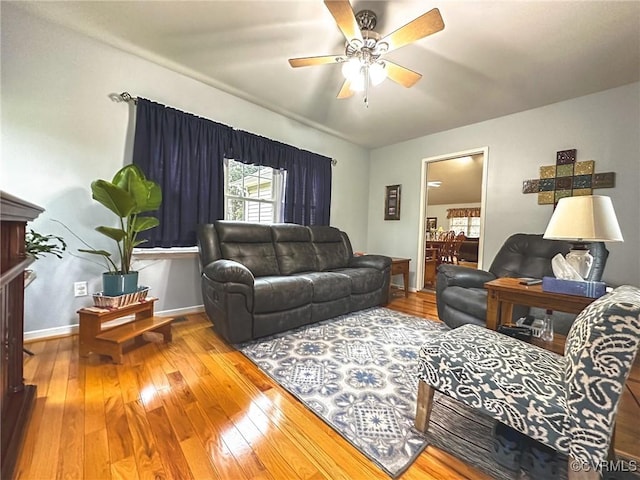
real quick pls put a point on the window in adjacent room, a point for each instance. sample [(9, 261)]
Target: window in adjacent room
[(253, 193), (470, 226)]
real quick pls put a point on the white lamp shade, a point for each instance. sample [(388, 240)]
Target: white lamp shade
[(587, 218)]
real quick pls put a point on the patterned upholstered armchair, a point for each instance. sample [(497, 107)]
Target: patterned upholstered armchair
[(568, 403)]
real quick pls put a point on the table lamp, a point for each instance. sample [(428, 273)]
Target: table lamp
[(581, 219)]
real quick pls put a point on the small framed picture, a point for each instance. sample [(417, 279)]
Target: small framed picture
[(392, 203), (432, 223)]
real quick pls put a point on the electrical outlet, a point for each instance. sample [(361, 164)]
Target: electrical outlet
[(80, 289)]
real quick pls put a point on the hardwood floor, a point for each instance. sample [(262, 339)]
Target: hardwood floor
[(196, 408)]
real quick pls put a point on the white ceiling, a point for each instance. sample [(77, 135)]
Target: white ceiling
[(461, 180), (493, 58)]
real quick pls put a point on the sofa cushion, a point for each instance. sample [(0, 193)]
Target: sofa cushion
[(249, 244), (331, 251), (273, 294), (363, 280), (294, 251), (328, 285)]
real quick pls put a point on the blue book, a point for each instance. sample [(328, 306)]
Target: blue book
[(574, 287)]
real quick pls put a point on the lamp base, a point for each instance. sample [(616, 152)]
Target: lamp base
[(581, 260)]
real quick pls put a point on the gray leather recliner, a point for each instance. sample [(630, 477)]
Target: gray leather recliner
[(460, 294)]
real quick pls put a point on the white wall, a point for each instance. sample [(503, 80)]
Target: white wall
[(60, 131), (602, 127)]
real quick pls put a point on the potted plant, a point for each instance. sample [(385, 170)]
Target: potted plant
[(128, 195), (37, 245)]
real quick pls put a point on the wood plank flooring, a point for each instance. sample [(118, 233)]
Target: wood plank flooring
[(196, 408)]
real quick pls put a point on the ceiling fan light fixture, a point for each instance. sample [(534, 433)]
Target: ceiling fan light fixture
[(351, 68), (358, 82), (377, 73), (381, 48), (362, 65)]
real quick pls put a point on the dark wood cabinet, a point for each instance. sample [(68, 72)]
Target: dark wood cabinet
[(16, 398)]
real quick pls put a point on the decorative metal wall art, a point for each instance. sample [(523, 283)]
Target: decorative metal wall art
[(567, 178)]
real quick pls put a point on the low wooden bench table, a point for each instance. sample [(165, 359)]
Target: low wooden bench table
[(109, 340)]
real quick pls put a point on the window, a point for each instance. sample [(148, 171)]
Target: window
[(253, 193), (470, 226)]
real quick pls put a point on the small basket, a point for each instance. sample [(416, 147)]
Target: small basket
[(536, 327), (104, 301)]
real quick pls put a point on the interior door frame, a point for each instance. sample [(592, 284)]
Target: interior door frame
[(484, 151)]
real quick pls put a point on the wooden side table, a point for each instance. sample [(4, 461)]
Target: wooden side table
[(109, 341), (401, 266), (504, 293), (430, 267)]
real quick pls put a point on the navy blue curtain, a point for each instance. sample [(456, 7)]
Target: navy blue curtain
[(256, 150), (307, 196), (185, 155), (307, 190)]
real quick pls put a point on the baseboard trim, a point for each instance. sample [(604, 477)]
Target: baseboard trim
[(68, 330)]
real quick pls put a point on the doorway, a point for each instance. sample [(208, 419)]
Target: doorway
[(455, 180)]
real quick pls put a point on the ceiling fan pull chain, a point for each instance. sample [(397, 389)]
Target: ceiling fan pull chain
[(366, 85)]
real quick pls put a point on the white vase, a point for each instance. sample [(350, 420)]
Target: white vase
[(581, 261)]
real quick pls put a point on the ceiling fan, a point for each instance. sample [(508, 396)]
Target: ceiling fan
[(362, 61)]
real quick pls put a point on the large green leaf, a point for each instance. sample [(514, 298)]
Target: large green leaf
[(128, 174), (103, 253), (147, 194), (116, 234), (154, 197), (115, 198), (144, 223)]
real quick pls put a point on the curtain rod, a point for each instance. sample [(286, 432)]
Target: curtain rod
[(127, 97)]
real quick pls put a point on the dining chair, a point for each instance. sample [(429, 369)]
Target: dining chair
[(446, 249), (455, 249)]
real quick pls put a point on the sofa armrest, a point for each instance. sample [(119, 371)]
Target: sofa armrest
[(379, 262), (225, 271), (457, 275)]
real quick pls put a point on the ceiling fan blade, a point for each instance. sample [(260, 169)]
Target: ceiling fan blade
[(309, 61), (403, 76), (427, 24), (345, 91), (345, 18)]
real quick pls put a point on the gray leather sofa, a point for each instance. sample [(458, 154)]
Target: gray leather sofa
[(258, 280)]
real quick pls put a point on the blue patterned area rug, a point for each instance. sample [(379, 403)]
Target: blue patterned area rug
[(357, 373)]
